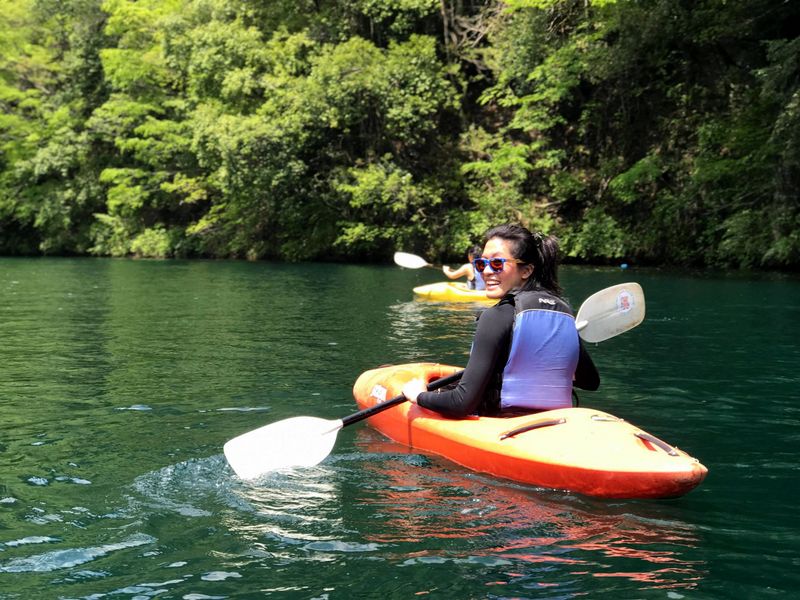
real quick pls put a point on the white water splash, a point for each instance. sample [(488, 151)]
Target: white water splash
[(70, 557), (219, 576), (34, 539)]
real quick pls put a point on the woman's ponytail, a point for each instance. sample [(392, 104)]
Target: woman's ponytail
[(542, 252), (546, 271)]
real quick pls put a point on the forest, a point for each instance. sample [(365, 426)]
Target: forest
[(656, 132)]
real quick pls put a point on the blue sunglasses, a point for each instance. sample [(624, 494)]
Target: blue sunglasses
[(495, 264)]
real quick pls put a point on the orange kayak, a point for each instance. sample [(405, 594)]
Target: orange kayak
[(578, 449)]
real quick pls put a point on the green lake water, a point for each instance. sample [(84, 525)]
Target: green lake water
[(121, 380)]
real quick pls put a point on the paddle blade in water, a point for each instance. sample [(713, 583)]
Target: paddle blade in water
[(295, 442), (610, 312), (410, 261)]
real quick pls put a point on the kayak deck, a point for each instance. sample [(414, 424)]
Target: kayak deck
[(579, 449)]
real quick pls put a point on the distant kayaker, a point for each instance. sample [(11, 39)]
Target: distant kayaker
[(526, 354), (474, 279)]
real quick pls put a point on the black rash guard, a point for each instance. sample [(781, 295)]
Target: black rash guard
[(478, 391)]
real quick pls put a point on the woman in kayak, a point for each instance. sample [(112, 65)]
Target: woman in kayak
[(474, 279), (526, 354)]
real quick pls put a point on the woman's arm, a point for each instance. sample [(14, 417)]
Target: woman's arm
[(463, 271), (586, 375), (491, 337)]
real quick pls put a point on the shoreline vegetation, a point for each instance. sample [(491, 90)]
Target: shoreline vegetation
[(654, 133)]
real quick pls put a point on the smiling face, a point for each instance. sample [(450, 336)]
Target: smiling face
[(512, 275)]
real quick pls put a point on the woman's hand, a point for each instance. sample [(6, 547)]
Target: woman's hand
[(413, 388)]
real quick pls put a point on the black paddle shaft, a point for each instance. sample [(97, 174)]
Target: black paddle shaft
[(372, 410)]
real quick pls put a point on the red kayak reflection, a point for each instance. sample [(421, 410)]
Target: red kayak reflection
[(424, 499)]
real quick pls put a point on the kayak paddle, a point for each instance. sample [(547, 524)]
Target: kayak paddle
[(611, 311), (299, 441), (411, 261), (306, 441)]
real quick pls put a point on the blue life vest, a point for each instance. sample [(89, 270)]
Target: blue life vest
[(478, 282), (544, 354)]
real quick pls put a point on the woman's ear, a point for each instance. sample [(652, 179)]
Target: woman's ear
[(527, 271)]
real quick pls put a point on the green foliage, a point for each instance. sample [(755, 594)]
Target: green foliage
[(656, 131), (386, 209), (597, 237), (496, 175), (400, 15), (632, 184), (152, 243)]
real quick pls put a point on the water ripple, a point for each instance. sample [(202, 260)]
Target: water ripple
[(70, 557)]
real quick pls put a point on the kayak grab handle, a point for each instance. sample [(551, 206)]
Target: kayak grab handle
[(531, 427), (657, 442)]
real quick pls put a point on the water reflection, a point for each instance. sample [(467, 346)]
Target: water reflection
[(113, 369), (292, 506), (293, 516), (385, 503), (434, 331), (421, 499)]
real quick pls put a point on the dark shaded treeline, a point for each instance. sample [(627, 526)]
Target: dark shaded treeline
[(657, 131)]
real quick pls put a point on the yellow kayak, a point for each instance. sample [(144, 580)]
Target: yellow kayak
[(451, 291)]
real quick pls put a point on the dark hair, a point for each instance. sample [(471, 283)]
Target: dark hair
[(474, 250), (540, 251)]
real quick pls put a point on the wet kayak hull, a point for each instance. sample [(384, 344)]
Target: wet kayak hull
[(578, 449)]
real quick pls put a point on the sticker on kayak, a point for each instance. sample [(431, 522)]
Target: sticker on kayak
[(378, 392), (624, 301)]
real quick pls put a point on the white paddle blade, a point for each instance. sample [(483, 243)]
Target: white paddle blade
[(610, 312), (295, 442), (409, 261)]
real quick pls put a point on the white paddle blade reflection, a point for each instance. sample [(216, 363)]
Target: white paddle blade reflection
[(610, 312), (295, 442)]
